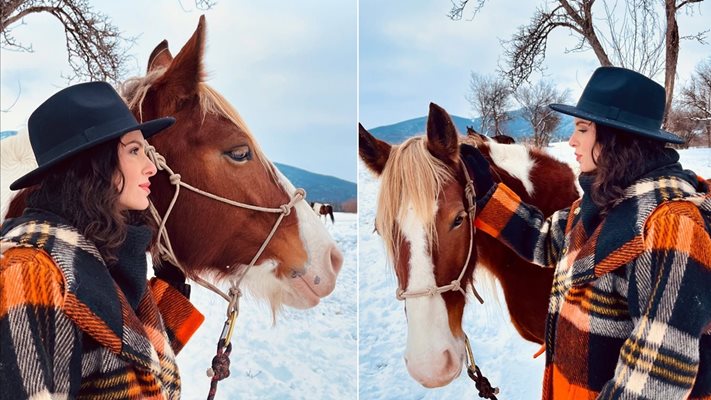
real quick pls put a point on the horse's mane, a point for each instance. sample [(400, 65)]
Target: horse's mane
[(134, 91), (16, 152), (411, 178)]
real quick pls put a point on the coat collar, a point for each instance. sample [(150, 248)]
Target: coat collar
[(92, 299), (619, 237)]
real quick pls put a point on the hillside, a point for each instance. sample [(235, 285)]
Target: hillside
[(517, 128)]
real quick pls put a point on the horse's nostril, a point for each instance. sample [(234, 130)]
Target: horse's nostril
[(336, 259), (449, 363)]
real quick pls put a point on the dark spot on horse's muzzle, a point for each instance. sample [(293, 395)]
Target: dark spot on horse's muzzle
[(317, 280), (297, 273)]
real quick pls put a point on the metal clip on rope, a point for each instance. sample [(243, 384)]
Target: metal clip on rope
[(482, 384)]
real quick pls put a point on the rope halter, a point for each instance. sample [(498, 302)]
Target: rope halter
[(220, 364), (455, 285), (165, 247)]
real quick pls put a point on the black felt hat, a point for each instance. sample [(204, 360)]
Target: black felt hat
[(77, 118), (623, 99)]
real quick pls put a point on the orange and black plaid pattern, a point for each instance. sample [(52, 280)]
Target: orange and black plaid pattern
[(67, 330), (630, 309)]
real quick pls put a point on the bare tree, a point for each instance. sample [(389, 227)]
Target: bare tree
[(490, 98), (534, 100), (630, 41), (680, 121), (695, 98), (96, 48)]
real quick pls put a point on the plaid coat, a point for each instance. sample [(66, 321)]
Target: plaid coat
[(68, 331), (630, 308)]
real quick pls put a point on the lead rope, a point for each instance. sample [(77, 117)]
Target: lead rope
[(220, 368), (482, 384), (486, 391)]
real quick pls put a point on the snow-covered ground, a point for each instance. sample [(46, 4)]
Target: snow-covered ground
[(307, 354), (502, 355)]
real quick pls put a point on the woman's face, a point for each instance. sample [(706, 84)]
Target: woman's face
[(583, 141), (136, 168)]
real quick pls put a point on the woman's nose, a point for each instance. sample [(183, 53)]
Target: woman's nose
[(150, 168)]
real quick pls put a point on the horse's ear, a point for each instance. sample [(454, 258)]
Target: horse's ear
[(160, 57), (442, 139), (372, 151), (185, 71)]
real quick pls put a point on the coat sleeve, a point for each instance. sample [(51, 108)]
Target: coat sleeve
[(40, 347), (181, 318), (522, 227), (670, 304)]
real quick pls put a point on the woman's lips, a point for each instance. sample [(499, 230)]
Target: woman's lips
[(146, 187)]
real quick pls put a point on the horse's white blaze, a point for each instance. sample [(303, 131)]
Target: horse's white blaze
[(429, 337), (514, 159)]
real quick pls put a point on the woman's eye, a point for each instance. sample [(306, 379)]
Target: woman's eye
[(241, 153), (134, 151)]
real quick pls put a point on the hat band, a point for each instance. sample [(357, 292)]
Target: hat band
[(89, 135), (617, 114)]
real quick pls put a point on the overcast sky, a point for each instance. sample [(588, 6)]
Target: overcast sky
[(412, 54), (288, 67)]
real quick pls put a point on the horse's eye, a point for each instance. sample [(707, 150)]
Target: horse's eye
[(240, 154), (458, 221)]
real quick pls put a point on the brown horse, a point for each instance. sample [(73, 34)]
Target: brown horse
[(212, 149), (323, 209), (422, 219)]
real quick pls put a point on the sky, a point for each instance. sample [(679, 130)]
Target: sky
[(289, 68), (411, 54)]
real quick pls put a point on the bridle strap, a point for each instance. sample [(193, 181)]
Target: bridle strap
[(165, 247), (455, 285)]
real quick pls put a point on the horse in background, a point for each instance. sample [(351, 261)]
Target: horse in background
[(503, 139), (422, 218), (323, 209), (212, 148)]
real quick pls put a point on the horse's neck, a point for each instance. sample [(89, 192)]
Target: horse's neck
[(526, 286)]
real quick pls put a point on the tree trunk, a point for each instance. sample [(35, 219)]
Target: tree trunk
[(672, 54)]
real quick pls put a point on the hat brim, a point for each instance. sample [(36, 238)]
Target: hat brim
[(148, 129), (654, 134)]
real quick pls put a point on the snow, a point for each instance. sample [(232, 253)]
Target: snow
[(307, 354), (504, 358)]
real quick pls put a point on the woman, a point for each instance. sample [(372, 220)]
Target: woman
[(77, 317), (630, 308)]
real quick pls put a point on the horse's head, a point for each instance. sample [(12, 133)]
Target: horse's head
[(212, 149), (422, 218)]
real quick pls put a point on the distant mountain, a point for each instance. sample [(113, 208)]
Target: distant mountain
[(517, 128), (321, 188)]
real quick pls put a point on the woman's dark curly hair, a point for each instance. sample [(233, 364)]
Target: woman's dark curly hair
[(622, 159), (82, 190)]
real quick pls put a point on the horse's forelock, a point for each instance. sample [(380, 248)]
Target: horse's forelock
[(411, 178)]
